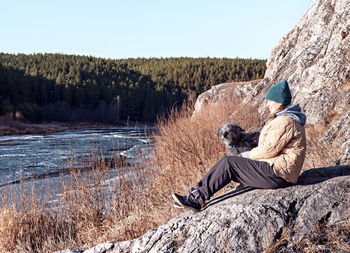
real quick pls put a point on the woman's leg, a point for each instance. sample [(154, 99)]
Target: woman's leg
[(242, 170), (248, 172)]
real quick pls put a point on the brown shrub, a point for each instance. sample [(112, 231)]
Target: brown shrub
[(319, 154), (26, 225), (187, 146)]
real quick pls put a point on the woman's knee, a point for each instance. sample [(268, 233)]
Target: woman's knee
[(228, 163), (229, 159)]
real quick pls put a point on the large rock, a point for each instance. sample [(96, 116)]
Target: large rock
[(252, 220), (315, 59)]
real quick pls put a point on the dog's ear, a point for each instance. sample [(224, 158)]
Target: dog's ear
[(219, 132), (237, 128), (240, 129)]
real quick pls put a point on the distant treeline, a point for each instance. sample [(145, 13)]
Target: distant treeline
[(81, 88)]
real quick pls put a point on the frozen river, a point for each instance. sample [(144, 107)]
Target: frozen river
[(34, 156)]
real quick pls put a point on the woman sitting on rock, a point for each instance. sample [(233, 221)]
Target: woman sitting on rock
[(276, 162)]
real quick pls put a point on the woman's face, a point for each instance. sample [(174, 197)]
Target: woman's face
[(273, 106)]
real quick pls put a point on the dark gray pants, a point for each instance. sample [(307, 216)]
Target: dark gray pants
[(248, 172)]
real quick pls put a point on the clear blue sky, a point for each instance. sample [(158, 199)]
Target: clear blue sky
[(147, 28)]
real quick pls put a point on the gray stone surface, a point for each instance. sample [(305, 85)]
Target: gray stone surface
[(315, 59), (252, 220)]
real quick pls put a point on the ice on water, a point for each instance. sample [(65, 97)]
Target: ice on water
[(35, 155)]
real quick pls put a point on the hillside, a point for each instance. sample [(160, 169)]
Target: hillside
[(73, 88)]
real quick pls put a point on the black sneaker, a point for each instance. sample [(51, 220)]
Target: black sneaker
[(193, 200)]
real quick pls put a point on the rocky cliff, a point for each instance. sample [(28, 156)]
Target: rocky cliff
[(315, 59), (251, 220)]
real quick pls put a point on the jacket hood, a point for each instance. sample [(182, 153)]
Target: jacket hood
[(294, 112)]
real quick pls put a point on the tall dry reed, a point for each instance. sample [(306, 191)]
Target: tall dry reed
[(318, 153), (187, 146), (92, 201)]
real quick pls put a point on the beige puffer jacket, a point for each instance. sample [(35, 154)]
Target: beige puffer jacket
[(282, 143)]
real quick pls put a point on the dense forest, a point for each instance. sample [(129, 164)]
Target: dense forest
[(82, 88)]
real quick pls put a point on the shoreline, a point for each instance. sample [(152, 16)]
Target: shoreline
[(17, 127)]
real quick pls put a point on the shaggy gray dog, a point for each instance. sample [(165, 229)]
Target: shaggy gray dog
[(236, 139)]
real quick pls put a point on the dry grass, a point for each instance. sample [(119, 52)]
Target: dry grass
[(188, 146), (96, 206), (326, 239), (26, 225), (319, 154), (271, 245)]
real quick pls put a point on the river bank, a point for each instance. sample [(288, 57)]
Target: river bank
[(18, 127)]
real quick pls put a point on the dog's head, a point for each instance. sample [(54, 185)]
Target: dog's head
[(230, 133)]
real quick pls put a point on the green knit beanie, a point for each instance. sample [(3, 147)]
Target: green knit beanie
[(280, 93)]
